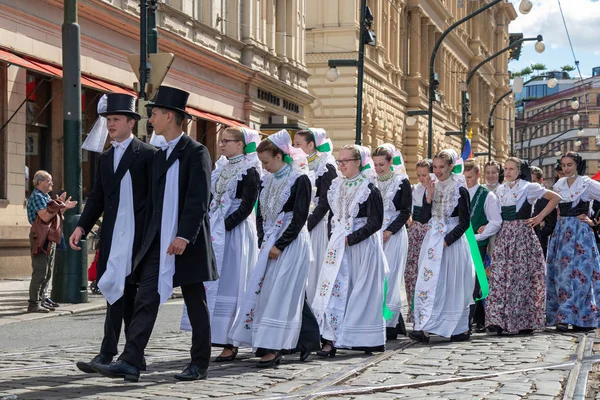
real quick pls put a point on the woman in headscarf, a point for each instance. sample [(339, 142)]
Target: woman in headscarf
[(445, 282), (573, 280), (322, 171), (416, 233), (234, 190), (395, 189), (516, 301), (271, 314), (350, 294), (493, 174)]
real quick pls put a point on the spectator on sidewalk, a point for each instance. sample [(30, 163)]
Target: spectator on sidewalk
[(43, 262)]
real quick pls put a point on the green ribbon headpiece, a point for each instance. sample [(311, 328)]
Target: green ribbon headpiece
[(324, 148), (397, 160), (288, 159)]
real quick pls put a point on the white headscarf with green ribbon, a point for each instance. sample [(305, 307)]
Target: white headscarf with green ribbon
[(397, 160), (366, 162), (322, 144), (291, 155), (251, 140), (457, 175)]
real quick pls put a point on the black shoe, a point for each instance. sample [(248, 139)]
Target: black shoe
[(234, 353), (325, 353), (419, 336), (51, 302), (562, 327), (463, 337), (192, 372), (47, 306), (87, 367), (117, 369), (304, 354), (495, 328), (479, 327), (526, 332), (582, 328), (36, 308), (271, 363)]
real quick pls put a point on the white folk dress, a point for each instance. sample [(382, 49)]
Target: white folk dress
[(446, 278), (235, 250), (396, 248), (319, 235), (271, 313), (349, 301)]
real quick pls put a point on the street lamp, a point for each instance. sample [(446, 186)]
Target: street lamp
[(367, 36), (333, 74), (552, 83), (540, 47), (580, 132), (574, 104), (576, 118), (525, 7), (411, 114), (464, 95)]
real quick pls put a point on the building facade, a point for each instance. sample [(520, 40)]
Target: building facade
[(243, 63), (552, 125), (397, 72)]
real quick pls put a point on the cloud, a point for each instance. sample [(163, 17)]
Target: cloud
[(582, 17)]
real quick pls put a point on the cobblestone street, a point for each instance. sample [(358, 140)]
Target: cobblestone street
[(544, 366)]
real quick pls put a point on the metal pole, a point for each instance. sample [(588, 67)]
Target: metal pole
[(152, 30), (70, 278), (361, 71), (539, 38), (432, 71), (144, 66)]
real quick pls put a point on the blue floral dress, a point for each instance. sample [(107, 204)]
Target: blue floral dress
[(573, 277)]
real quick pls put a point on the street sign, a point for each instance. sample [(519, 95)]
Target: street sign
[(160, 64)]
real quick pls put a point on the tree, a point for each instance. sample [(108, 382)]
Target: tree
[(539, 68), (525, 71), (566, 69)]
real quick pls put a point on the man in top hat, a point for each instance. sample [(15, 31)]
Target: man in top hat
[(176, 250), (120, 193)]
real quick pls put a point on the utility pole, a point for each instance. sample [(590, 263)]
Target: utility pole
[(70, 275)]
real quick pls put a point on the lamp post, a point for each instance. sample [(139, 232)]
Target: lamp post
[(367, 36), (70, 276), (464, 96), (524, 7), (543, 155)]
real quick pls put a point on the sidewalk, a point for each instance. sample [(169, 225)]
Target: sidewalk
[(13, 303)]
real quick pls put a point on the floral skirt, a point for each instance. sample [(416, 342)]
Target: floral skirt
[(517, 281), (416, 234), (573, 281)]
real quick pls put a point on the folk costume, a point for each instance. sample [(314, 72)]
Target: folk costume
[(235, 184), (270, 316), (416, 234), (573, 277), (350, 296), (322, 171), (397, 202), (177, 208), (485, 211), (119, 195), (546, 228), (517, 279), (446, 279)]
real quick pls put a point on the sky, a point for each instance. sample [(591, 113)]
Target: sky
[(583, 20)]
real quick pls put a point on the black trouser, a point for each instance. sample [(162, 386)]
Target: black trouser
[(476, 311), (117, 313), (147, 303)]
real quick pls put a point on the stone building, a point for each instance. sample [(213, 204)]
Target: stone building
[(397, 72), (243, 62)]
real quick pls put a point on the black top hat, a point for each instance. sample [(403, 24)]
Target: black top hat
[(170, 98), (122, 104)]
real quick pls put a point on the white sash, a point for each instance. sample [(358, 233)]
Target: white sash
[(118, 266), (429, 271), (244, 322), (168, 232)]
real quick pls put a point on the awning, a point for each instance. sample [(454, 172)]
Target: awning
[(52, 70), (214, 118)]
